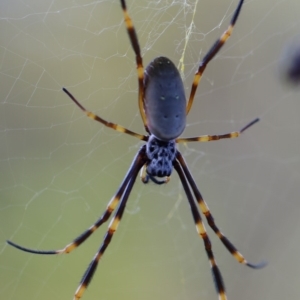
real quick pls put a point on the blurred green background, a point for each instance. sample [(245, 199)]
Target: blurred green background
[(58, 169)]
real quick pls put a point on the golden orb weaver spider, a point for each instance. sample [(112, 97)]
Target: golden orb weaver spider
[(163, 109)]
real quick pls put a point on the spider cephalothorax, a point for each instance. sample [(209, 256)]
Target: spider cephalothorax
[(161, 155)]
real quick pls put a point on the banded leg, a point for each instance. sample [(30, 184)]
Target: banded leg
[(104, 122), (208, 138), (86, 279), (211, 54), (205, 210), (137, 163), (138, 57), (202, 233)]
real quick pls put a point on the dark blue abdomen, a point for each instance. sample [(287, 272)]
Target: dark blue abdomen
[(164, 99)]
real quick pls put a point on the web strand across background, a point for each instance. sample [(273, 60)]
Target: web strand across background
[(58, 169)]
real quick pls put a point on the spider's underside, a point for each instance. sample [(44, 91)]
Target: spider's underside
[(163, 108)]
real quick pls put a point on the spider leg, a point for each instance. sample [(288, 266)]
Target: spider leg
[(202, 233), (107, 238), (211, 54), (205, 210), (104, 122), (137, 163), (208, 138), (138, 57)]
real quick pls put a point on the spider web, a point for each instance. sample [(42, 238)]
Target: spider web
[(59, 169)]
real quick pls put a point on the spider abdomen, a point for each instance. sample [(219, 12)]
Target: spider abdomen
[(164, 99), (161, 156)]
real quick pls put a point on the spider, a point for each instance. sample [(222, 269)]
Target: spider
[(163, 109)]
